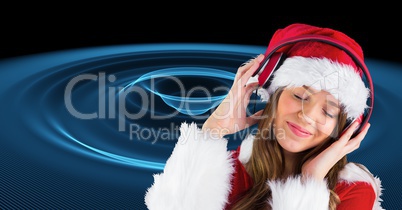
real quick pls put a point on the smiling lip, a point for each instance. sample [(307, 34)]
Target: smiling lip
[(298, 131)]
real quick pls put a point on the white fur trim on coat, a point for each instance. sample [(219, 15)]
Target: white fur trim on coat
[(341, 80), (300, 194), (246, 148), (196, 176)]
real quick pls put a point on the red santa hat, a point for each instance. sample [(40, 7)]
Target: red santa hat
[(321, 66)]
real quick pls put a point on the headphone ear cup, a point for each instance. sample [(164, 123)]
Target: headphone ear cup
[(272, 64)]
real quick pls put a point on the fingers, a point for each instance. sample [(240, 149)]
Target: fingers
[(364, 131), (250, 66), (240, 88), (348, 134), (354, 143), (359, 138)]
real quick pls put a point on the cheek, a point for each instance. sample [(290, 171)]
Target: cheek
[(287, 105), (287, 108), (327, 128)]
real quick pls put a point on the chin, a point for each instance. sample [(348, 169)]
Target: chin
[(293, 150), (291, 145)]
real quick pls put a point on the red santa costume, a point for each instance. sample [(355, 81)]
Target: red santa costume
[(202, 174)]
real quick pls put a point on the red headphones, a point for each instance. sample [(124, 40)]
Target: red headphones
[(274, 59)]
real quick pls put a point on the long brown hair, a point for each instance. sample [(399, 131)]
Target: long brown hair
[(267, 161)]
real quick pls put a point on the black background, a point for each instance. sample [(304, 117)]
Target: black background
[(378, 36)]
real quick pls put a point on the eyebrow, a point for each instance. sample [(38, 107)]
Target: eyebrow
[(332, 103), (308, 89)]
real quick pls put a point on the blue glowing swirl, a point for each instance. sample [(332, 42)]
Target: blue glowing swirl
[(185, 103)]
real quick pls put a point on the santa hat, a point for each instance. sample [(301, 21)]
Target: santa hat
[(321, 66)]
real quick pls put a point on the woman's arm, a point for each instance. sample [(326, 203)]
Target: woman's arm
[(196, 176), (231, 115), (198, 173)]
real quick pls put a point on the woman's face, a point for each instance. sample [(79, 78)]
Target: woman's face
[(305, 118)]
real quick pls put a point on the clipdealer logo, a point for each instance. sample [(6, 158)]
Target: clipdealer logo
[(111, 103), (111, 92)]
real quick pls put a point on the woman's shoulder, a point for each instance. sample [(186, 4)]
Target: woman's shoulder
[(356, 179)]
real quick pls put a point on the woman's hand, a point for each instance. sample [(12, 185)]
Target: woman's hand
[(320, 165), (231, 115)]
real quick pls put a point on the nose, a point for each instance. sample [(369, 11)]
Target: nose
[(311, 113)]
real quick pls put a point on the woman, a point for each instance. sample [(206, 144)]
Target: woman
[(297, 159)]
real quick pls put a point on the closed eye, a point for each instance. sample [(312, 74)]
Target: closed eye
[(299, 98), (328, 114)]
